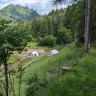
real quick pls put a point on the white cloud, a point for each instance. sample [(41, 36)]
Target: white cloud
[(23, 1), (43, 3), (41, 6), (3, 5)]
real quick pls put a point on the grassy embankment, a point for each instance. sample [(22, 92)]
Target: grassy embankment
[(47, 69), (79, 81), (43, 76), (16, 58)]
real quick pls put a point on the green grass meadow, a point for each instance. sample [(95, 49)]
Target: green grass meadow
[(44, 76), (48, 67)]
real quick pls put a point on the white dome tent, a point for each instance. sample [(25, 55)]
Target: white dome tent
[(35, 53), (53, 52)]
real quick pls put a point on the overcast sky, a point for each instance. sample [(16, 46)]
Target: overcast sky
[(41, 6)]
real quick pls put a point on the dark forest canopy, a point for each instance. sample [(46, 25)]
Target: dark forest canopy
[(72, 19), (62, 25)]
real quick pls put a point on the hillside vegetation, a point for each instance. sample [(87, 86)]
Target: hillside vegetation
[(64, 25), (80, 81), (63, 30), (46, 69), (43, 77), (17, 13)]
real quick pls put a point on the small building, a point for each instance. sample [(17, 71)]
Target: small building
[(35, 53), (53, 52)]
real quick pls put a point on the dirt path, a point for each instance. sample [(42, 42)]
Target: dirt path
[(16, 64), (28, 64), (24, 55)]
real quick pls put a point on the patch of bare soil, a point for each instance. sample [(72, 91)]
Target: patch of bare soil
[(15, 64), (24, 55)]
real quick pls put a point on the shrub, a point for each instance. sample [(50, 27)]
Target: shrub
[(34, 78), (64, 36), (47, 40), (32, 89)]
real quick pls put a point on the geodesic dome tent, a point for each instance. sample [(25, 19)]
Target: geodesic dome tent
[(34, 53), (53, 52)]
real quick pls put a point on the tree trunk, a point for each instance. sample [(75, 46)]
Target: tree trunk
[(20, 81), (6, 76), (87, 20), (75, 36), (11, 84)]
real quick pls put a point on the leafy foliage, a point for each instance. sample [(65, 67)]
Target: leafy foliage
[(72, 18), (80, 81), (12, 39), (47, 40), (13, 59), (64, 36)]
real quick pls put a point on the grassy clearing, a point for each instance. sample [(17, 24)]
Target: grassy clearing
[(27, 60), (80, 81), (13, 59), (34, 45), (43, 76), (46, 62), (36, 67), (47, 67)]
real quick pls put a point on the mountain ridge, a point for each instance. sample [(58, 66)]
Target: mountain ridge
[(18, 13)]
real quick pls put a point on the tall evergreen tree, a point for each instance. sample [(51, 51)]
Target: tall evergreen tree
[(50, 26), (87, 19), (34, 27)]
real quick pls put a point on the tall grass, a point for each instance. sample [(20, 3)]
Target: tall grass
[(80, 81), (47, 69), (51, 65)]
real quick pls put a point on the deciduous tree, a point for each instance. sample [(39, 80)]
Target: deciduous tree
[(11, 39)]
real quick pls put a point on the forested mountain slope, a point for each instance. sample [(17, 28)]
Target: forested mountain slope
[(72, 18), (17, 13)]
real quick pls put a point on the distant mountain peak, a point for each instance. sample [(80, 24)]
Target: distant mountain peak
[(17, 13)]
